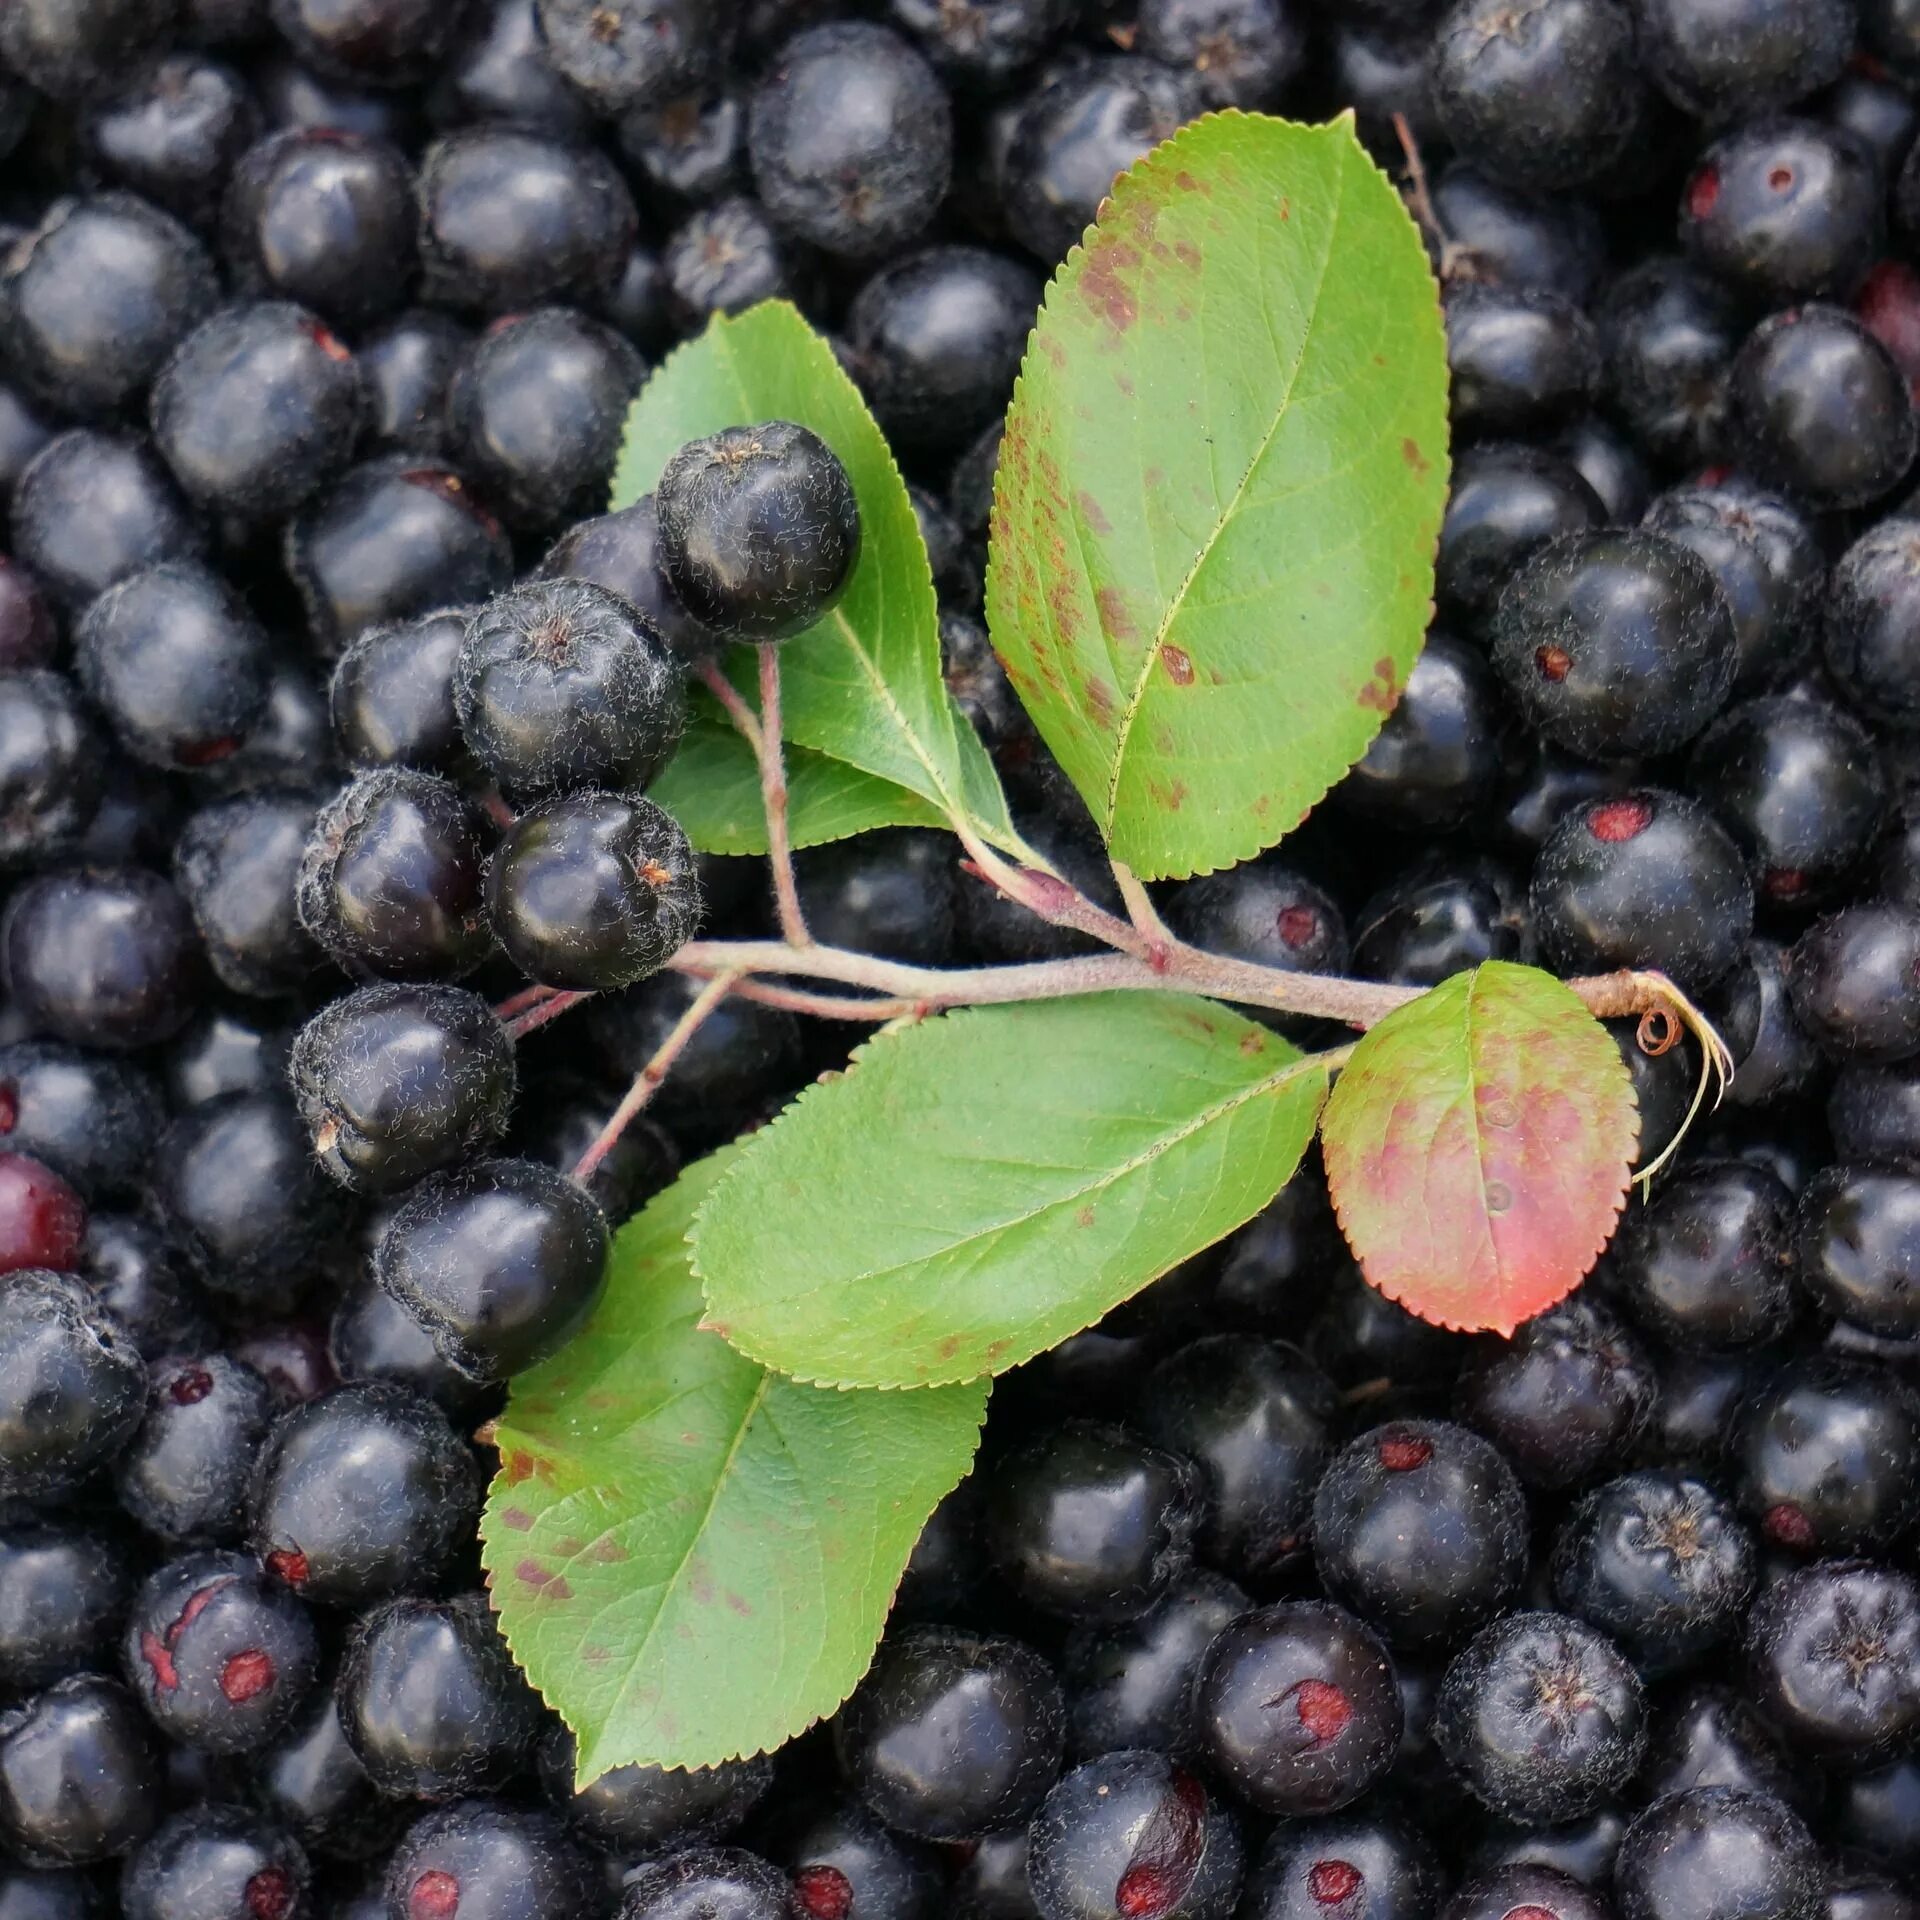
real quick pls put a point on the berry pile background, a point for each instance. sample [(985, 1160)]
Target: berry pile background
[(329, 690)]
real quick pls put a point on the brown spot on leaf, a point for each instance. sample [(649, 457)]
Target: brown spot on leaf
[(736, 1603), (1093, 514), (1253, 1045), (608, 1551), (1382, 690), (516, 1467), (596, 1655), (1187, 254), (702, 1589), (1286, 208), (1084, 1218), (1411, 453), (1114, 617), (1099, 700), (569, 1546), (1101, 287), (1178, 663), (549, 1585), (1188, 184), (518, 1518)]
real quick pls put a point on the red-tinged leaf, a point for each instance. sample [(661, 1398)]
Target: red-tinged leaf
[(1478, 1147)]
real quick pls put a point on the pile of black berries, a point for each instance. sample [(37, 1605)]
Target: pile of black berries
[(329, 699)]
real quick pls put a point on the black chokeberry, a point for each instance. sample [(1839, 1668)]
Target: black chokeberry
[(51, 758), (759, 529), (173, 133), (1854, 980), (391, 697), (1668, 335), (406, 366), (236, 863), (72, 1384), (1718, 1850), (216, 1863), (64, 1589), (726, 1882), (1507, 499), (184, 1475), (80, 1773), (1522, 360), (620, 552), (492, 1860), (650, 1810), (1871, 605), (1859, 1247)]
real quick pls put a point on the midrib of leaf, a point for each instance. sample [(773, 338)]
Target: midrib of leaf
[(875, 677), (1473, 1119), (1162, 1144), (696, 1534), (1139, 694)]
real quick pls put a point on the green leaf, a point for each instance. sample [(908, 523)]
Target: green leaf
[(863, 685), (712, 787), (976, 1188), (1478, 1146), (693, 1558), (1221, 487)]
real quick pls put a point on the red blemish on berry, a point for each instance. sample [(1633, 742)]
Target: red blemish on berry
[(1888, 305), (1167, 1854), (9, 1106), (1780, 179), (42, 1220), (1331, 1881), (1323, 1709), (434, 1896), (1552, 663), (189, 1386), (270, 1894), (1297, 926), (1616, 820), (212, 751), (1784, 883), (197, 1604), (153, 1650), (1712, 476), (1786, 1526), (1529, 1913), (823, 1893), (329, 342), (288, 1564), (247, 1676), (1703, 192), (1402, 1452)]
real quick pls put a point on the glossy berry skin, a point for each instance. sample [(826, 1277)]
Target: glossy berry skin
[(311, 1784), (140, 1276), (890, 893), (1264, 913), (72, 1385), (91, 508), (937, 339), (723, 259), (406, 367), (1831, 1661), (1541, 1717), (236, 863), (392, 877), (70, 51), (391, 696), (236, 1180), (1799, 783), (257, 410), (185, 1473), (50, 766), (560, 685), (1564, 1399), (951, 1734), (1658, 1561), (1868, 643), (1722, 62), (1522, 360), (836, 1854), (1297, 1708), (727, 1883), (1715, 1852), (362, 1494), (492, 1860), (1615, 644), (1089, 1523), (1132, 1685), (1421, 1528), (63, 1591), (501, 1260), (1255, 1416), (1854, 979), (510, 220), (373, 1337), (216, 1863), (220, 1655), (399, 1079), (1859, 1247), (431, 1700), (92, 1118), (632, 52), (1821, 409), (536, 412), (1370, 1861), (1644, 879), (93, 300), (173, 133), (1708, 1263), (1507, 499), (397, 536), (1827, 1452), (1547, 96), (1710, 1736), (850, 138), (324, 218), (383, 43), (1435, 920), (620, 552), (1785, 209), (759, 529), (1079, 131), (1668, 334), (80, 1773), (638, 1810)]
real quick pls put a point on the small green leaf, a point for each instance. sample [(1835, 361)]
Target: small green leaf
[(1220, 489), (863, 685), (712, 787), (976, 1188), (1478, 1146), (693, 1558)]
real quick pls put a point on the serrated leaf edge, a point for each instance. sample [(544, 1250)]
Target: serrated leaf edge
[(1298, 1067), (1123, 185), (1398, 1297)]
